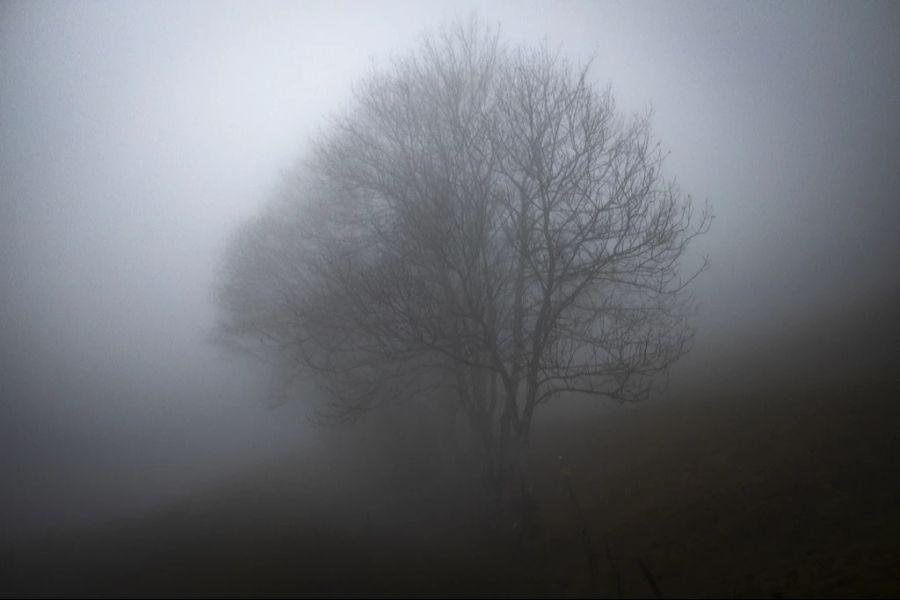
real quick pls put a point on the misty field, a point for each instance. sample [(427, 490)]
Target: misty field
[(783, 486), (467, 298)]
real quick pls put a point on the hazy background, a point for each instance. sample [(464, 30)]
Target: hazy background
[(135, 135)]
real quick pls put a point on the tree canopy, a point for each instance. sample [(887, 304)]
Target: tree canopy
[(480, 224)]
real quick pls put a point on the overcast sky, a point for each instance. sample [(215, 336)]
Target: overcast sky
[(135, 135)]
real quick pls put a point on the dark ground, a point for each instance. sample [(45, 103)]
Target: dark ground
[(754, 480)]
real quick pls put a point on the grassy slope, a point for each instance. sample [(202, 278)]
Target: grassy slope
[(758, 480), (755, 481), (800, 498)]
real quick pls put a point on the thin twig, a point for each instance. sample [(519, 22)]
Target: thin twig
[(649, 576)]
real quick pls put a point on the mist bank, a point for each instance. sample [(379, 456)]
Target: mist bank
[(76, 463), (774, 482), (137, 136)]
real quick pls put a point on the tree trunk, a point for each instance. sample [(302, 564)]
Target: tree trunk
[(516, 509)]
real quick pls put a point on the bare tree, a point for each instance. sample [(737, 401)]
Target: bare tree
[(483, 226)]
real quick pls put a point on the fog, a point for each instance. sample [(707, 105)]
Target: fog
[(136, 136)]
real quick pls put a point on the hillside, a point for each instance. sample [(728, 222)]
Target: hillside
[(758, 480)]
